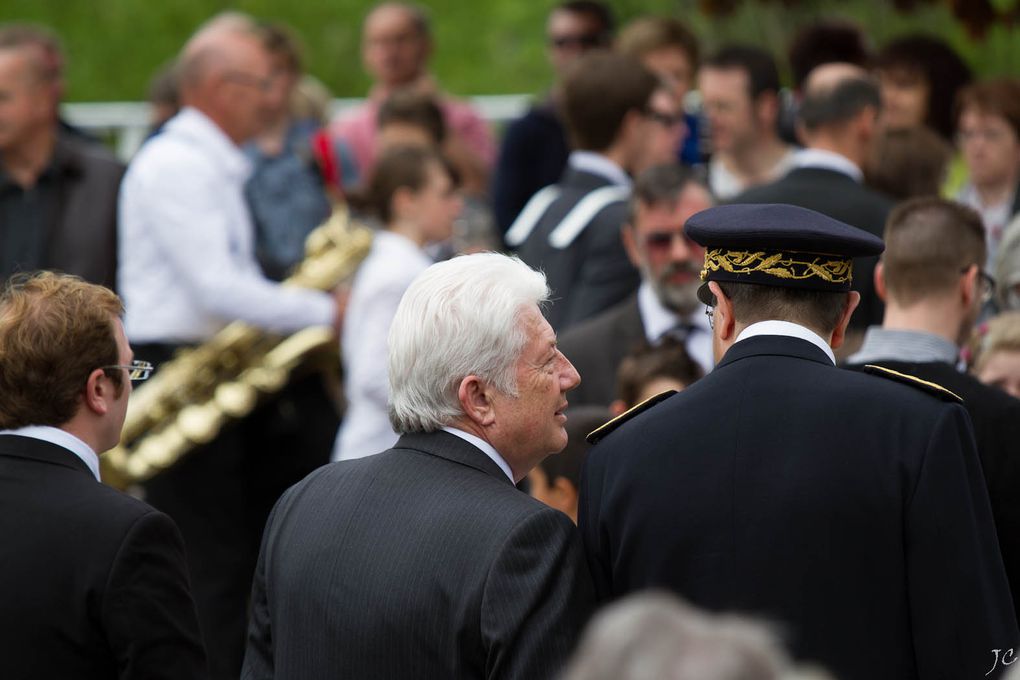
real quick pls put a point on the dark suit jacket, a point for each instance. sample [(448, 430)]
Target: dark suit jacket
[(597, 346), (591, 274), (837, 195), (996, 419), (422, 561), (93, 583), (82, 237), (848, 508)]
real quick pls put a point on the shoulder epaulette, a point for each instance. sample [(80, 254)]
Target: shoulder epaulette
[(596, 435), (929, 387)]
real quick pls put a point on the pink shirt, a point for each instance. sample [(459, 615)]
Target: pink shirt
[(357, 127)]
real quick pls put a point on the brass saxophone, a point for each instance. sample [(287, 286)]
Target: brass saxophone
[(192, 397)]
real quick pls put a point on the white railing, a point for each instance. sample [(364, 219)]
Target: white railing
[(126, 124)]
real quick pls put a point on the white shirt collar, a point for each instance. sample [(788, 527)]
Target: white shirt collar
[(788, 329), (597, 164), (191, 122), (63, 439), (486, 448), (658, 319), (829, 160)]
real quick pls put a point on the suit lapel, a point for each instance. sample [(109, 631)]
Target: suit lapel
[(28, 448), (452, 448)]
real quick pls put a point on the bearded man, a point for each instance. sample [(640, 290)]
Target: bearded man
[(666, 304)]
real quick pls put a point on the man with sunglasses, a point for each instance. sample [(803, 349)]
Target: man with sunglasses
[(93, 582), (535, 147), (933, 285), (666, 303)]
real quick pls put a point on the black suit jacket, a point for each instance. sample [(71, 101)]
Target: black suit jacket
[(598, 345), (837, 195), (422, 561), (93, 583), (82, 237), (848, 508), (592, 273), (996, 419)]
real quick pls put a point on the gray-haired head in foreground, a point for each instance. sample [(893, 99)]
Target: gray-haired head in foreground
[(458, 318), (654, 636)]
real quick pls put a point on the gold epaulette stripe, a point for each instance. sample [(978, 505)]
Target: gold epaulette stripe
[(595, 435), (912, 379)]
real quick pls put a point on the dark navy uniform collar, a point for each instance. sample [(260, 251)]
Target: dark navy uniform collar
[(774, 345)]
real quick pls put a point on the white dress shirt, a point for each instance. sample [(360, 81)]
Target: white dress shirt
[(63, 439), (828, 160), (391, 265), (186, 259), (788, 329), (597, 164), (485, 447), (659, 320)]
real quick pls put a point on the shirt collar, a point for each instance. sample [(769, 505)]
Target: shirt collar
[(486, 448), (904, 345), (828, 160), (63, 439), (788, 329), (658, 319), (597, 164), (195, 125)]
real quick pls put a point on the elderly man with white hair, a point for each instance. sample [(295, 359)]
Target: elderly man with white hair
[(425, 561)]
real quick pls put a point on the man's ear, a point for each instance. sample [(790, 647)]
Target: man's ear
[(628, 235), (879, 277), (724, 322), (475, 401), (968, 285), (853, 299), (766, 107), (98, 393)]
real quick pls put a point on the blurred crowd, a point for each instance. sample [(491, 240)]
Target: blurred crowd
[(642, 128)]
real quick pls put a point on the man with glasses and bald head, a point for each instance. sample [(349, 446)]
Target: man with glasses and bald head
[(93, 582)]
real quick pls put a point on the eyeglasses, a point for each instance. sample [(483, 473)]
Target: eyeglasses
[(710, 313), (242, 78), (663, 240), (987, 135), (987, 284), (137, 371), (665, 119), (584, 40)]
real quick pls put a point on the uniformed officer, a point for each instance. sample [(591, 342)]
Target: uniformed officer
[(849, 508)]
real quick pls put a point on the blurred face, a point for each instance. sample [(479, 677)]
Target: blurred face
[(664, 130), (530, 425), (393, 50), (904, 97), (1002, 370), (569, 35), (243, 90), (989, 146), (668, 260), (436, 205), (25, 101), (393, 135), (728, 107), (658, 386), (672, 66), (279, 94)]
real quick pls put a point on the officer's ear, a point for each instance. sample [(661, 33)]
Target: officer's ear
[(724, 322), (853, 298)]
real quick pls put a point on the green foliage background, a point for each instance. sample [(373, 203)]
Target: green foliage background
[(492, 47)]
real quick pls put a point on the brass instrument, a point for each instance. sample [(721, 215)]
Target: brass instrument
[(190, 398)]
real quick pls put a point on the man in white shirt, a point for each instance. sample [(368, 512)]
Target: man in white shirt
[(665, 303), (186, 242), (93, 582), (740, 97)]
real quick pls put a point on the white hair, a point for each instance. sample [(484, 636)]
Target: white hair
[(458, 318), (655, 636)]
